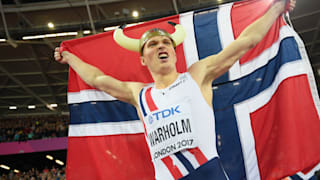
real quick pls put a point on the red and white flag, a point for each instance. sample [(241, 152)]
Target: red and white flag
[(266, 106)]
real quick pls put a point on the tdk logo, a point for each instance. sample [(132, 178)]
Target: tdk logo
[(164, 114), (150, 119)]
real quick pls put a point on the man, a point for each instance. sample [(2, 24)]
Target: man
[(176, 109)]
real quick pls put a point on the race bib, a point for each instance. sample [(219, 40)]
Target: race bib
[(170, 130)]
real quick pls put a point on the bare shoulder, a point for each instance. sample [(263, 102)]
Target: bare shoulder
[(199, 71), (195, 71), (136, 87)]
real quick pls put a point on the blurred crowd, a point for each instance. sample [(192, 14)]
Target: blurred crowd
[(35, 174), (29, 128)]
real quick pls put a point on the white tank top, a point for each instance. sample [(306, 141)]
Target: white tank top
[(179, 127)]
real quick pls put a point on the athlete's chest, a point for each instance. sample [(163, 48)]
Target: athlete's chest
[(175, 93)]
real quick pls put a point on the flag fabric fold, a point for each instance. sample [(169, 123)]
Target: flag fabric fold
[(266, 106)]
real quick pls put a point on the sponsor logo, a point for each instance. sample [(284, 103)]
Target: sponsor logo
[(150, 119), (166, 113)]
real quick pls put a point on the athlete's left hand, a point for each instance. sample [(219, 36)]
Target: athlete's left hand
[(292, 5)]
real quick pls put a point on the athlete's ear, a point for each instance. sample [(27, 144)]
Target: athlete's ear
[(142, 60)]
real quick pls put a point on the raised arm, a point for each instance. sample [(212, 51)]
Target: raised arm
[(213, 66), (124, 91)]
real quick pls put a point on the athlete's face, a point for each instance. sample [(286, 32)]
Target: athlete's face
[(158, 53)]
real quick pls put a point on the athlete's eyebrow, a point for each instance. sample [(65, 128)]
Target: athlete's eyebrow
[(151, 42), (166, 40)]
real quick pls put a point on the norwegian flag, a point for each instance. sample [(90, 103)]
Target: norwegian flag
[(266, 106)]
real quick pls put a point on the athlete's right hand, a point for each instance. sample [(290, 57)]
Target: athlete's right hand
[(289, 5), (60, 57)]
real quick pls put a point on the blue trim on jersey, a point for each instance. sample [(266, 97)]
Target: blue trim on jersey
[(102, 111), (184, 161), (207, 38), (209, 170), (141, 103)]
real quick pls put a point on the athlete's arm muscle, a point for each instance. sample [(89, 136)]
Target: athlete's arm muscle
[(124, 91), (210, 68)]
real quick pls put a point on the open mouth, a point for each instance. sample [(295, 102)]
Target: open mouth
[(163, 55)]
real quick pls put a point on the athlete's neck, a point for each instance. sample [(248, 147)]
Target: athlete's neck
[(163, 81)]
